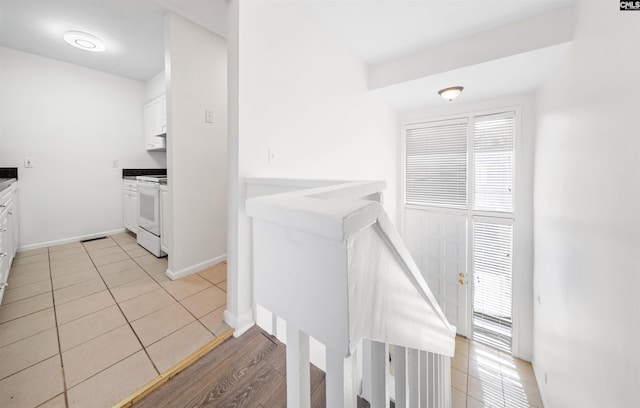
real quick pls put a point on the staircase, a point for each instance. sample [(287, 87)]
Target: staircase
[(329, 262)]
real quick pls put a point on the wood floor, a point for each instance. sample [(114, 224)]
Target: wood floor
[(249, 371)]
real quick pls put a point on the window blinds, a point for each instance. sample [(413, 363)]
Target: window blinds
[(492, 264), (436, 164), (493, 152)]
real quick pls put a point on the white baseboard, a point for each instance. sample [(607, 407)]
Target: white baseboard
[(540, 379), (173, 275), (525, 357), (240, 323), (67, 240)]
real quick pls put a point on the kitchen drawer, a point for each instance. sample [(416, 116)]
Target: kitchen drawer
[(130, 185), (4, 275)]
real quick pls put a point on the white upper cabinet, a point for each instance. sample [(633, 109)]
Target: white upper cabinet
[(155, 123)]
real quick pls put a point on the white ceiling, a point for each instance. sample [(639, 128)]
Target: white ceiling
[(504, 76), (376, 30), (379, 30), (133, 30)]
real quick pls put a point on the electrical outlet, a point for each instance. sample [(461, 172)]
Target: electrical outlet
[(114, 164), (208, 116), (28, 162)]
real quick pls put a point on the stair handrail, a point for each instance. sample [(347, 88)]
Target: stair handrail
[(337, 212)]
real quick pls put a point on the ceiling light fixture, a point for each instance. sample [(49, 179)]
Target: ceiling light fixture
[(450, 93), (84, 41)]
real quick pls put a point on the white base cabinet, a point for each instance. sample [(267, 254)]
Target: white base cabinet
[(9, 232), (130, 192)]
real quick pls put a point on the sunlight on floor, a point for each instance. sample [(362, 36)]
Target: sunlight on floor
[(486, 377)]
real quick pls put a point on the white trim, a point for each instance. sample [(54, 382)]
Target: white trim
[(402, 187), (68, 240), (240, 323), (525, 357), (195, 268), (279, 182), (539, 376), (459, 120), (516, 306)]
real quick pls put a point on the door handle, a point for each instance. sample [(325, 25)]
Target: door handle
[(461, 275), (461, 281)]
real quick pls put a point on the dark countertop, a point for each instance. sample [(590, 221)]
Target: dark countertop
[(6, 182), (130, 174), (8, 172)]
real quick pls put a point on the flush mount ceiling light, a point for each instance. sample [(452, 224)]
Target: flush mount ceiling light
[(84, 41), (450, 93)]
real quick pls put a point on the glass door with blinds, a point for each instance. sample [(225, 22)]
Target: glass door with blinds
[(493, 157), (459, 218)]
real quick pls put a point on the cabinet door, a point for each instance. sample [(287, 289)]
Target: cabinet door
[(127, 209), (134, 212), (160, 112), (4, 275), (149, 137), (159, 115), (155, 123), (15, 223), (5, 248), (130, 211)]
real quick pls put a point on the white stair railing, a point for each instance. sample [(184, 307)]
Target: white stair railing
[(329, 262)]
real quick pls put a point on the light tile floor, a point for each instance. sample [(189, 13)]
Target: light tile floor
[(86, 324), (482, 376)]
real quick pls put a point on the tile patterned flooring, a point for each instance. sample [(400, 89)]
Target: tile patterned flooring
[(85, 325), (482, 376)]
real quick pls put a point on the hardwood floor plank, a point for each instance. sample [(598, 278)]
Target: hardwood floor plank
[(277, 396), (244, 372), (277, 359), (318, 395), (215, 371), (235, 375), (317, 377), (250, 390), (183, 383)]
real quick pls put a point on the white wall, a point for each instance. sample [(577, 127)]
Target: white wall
[(155, 86), (73, 122), (196, 69), (523, 228), (587, 216), (303, 96)]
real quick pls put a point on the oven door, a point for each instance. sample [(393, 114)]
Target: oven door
[(149, 207)]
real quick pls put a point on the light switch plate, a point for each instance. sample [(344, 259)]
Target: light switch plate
[(208, 116), (28, 162)]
